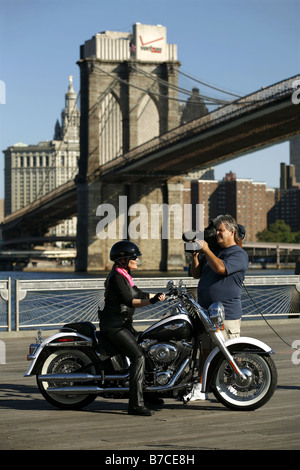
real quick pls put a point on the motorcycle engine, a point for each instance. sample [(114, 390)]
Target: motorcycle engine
[(163, 353), (166, 358)]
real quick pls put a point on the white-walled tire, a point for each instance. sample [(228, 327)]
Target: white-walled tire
[(251, 393), (64, 361)]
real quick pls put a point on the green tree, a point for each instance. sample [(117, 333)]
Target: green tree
[(278, 232)]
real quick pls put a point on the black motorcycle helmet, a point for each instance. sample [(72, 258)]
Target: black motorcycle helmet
[(124, 249)]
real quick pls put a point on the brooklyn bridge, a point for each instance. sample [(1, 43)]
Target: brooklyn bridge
[(120, 160)]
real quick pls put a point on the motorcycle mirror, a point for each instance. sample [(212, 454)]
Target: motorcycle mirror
[(170, 284)]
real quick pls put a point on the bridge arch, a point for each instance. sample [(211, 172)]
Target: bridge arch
[(148, 119), (110, 128)]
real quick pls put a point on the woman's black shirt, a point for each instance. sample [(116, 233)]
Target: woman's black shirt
[(118, 310)]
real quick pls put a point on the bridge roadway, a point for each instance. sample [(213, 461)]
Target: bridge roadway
[(29, 422)]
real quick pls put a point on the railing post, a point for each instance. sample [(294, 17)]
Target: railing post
[(5, 294), (17, 323), (9, 304)]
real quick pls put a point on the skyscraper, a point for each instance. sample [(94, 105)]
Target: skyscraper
[(295, 156), (32, 171)]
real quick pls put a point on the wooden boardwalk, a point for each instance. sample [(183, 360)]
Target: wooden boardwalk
[(29, 422)]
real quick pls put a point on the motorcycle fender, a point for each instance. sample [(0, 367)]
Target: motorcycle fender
[(62, 339), (241, 343)]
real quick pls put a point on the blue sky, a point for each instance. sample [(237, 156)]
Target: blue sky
[(238, 45)]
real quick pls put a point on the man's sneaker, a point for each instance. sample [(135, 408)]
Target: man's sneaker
[(195, 394)]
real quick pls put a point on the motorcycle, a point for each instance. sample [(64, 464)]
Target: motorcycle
[(78, 363)]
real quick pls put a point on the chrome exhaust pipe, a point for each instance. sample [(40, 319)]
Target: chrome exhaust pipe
[(85, 390), (94, 389), (79, 377)]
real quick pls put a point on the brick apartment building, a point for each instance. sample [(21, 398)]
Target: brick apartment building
[(247, 201)]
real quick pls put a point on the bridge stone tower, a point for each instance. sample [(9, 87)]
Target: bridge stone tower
[(128, 96)]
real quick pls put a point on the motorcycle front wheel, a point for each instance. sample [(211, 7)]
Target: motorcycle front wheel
[(248, 394), (65, 361)]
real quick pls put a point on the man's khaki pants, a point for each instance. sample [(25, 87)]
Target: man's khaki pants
[(232, 328)]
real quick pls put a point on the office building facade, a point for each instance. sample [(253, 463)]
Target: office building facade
[(295, 156), (32, 171)]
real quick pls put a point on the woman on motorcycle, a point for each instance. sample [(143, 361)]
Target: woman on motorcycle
[(121, 298)]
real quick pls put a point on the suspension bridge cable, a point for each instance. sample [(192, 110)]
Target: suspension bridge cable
[(177, 88), (213, 102), (147, 91), (208, 85)]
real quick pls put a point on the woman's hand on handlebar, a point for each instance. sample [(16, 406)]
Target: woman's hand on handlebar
[(159, 297)]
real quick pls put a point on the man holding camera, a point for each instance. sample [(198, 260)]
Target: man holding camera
[(221, 272)]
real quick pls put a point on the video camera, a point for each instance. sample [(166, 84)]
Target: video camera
[(189, 238), (209, 235)]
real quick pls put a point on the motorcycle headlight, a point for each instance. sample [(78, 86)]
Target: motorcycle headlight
[(216, 313)]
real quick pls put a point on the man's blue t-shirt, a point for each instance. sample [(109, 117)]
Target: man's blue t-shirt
[(227, 289)]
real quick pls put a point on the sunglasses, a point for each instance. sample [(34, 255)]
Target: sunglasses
[(133, 257)]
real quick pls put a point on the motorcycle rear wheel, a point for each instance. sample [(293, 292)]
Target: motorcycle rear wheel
[(252, 393), (64, 361)]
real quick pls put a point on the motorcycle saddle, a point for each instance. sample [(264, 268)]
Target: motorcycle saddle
[(103, 345), (86, 328)]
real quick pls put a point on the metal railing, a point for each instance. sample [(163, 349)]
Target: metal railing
[(49, 304), (5, 304)]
